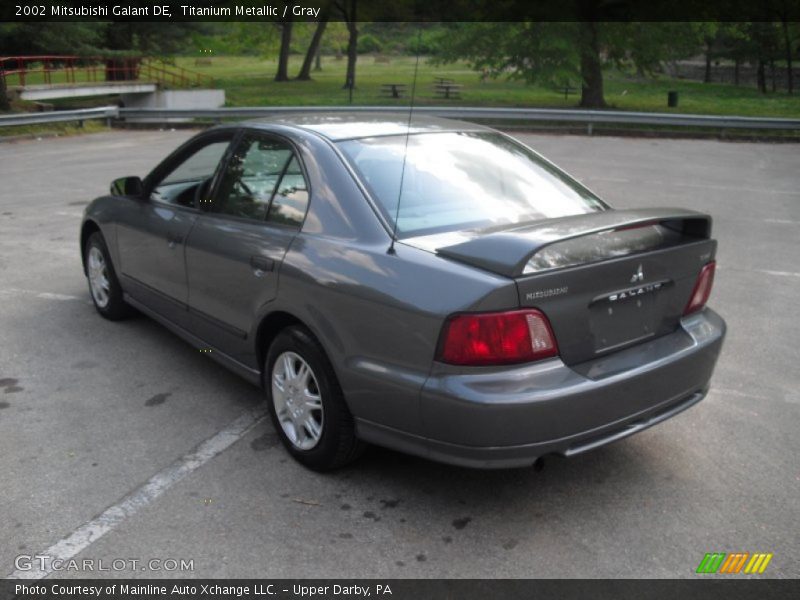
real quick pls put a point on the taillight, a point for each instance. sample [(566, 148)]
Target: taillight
[(702, 289), (497, 338)]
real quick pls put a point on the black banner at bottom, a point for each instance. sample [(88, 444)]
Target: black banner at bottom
[(396, 589)]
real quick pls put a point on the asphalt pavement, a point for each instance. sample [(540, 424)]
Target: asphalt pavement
[(121, 442)]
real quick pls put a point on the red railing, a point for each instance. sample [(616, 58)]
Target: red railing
[(167, 74), (52, 70)]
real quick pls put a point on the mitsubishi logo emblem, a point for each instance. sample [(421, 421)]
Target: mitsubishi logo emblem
[(638, 275)]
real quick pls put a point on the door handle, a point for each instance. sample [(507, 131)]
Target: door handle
[(261, 265), (173, 239)]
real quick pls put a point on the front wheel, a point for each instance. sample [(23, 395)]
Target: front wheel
[(306, 404), (103, 284)]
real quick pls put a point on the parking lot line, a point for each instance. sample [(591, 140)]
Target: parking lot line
[(90, 532)]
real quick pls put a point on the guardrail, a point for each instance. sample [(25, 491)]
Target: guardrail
[(484, 114), (60, 116), (547, 115)]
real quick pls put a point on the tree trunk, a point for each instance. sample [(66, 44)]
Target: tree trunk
[(736, 64), (707, 76), (318, 60), (761, 79), (591, 67), (772, 74), (788, 46), (352, 48), (4, 104), (313, 49), (283, 56)]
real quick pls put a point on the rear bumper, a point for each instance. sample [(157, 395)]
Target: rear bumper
[(511, 416)]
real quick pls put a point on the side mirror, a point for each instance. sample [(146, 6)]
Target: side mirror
[(127, 186)]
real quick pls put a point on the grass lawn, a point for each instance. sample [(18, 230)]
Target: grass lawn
[(248, 81)]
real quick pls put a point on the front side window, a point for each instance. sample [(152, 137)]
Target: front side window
[(263, 181), (179, 185), (463, 180)]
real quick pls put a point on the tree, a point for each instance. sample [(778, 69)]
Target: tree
[(786, 30), (283, 54), (348, 10), (787, 41), (709, 32), (4, 105), (591, 66), (562, 53), (765, 38), (313, 47), (528, 51), (31, 38), (735, 45), (150, 37)]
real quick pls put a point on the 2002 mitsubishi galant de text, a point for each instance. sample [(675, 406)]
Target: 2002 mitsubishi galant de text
[(430, 286)]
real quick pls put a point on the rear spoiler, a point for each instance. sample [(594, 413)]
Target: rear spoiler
[(507, 252)]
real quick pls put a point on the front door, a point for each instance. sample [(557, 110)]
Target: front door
[(152, 233), (235, 249)]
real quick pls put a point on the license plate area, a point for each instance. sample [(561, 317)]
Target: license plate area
[(622, 321)]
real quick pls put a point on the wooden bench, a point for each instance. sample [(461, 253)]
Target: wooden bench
[(393, 90)]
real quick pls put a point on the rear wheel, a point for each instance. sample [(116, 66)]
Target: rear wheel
[(306, 404), (103, 283)]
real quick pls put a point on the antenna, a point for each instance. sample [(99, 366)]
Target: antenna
[(405, 149)]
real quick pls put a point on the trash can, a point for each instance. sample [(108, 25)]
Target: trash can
[(672, 99)]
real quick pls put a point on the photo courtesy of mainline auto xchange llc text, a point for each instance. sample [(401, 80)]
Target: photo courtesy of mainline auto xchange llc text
[(133, 590)]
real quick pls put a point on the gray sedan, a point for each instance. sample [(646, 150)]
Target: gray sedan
[(435, 287)]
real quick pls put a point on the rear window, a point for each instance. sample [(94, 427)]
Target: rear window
[(463, 180)]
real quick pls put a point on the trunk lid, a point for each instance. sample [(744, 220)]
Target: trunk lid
[(606, 280)]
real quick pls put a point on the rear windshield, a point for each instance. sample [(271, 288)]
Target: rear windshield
[(463, 180)]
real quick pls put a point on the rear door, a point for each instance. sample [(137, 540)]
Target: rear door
[(234, 251)]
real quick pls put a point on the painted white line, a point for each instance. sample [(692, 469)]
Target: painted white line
[(610, 179), (113, 516), (727, 392), (42, 295), (726, 188), (51, 296), (764, 272), (779, 273)]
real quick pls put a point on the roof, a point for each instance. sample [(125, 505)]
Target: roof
[(344, 125)]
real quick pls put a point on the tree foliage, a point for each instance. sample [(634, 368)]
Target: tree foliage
[(561, 54), (86, 38)]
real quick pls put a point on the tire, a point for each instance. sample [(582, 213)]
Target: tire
[(306, 403), (104, 286)]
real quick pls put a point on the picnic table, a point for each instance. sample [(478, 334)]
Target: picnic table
[(568, 89), (393, 90), (448, 90)]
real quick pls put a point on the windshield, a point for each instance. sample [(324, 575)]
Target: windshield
[(463, 180)]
